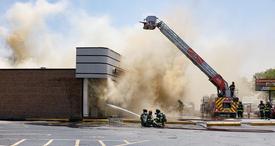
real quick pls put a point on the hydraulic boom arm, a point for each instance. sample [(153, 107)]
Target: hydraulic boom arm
[(151, 22)]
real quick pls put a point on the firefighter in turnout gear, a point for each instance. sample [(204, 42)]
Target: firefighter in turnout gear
[(180, 107), (150, 120), (261, 107), (160, 119), (232, 89), (267, 110), (143, 117), (240, 110)]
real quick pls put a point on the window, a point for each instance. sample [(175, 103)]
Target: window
[(226, 105)]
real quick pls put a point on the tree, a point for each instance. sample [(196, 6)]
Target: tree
[(268, 74)]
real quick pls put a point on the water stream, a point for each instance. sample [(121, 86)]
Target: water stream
[(122, 109)]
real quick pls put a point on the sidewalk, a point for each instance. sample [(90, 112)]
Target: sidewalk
[(192, 121), (226, 122)]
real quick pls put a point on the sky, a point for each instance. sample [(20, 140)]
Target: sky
[(238, 21), (235, 37), (125, 12)]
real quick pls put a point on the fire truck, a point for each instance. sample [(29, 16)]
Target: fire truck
[(225, 105)]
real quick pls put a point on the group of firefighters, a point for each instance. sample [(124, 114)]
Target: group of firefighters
[(147, 119), (265, 110)]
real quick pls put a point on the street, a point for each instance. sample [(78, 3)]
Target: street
[(45, 134)]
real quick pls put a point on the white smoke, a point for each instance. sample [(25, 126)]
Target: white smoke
[(33, 42), (158, 74)]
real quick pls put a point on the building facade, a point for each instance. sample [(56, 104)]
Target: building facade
[(59, 93), (40, 93), (95, 65)]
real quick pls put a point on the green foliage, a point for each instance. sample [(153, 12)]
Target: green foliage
[(268, 74)]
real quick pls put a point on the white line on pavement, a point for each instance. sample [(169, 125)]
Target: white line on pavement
[(77, 142), (101, 142), (48, 143), (5, 122), (17, 143), (128, 143), (66, 139), (27, 134)]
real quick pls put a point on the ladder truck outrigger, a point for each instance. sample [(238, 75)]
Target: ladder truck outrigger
[(224, 104)]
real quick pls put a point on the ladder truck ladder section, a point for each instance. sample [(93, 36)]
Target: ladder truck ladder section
[(151, 22)]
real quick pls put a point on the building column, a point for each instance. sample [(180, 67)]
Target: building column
[(85, 98)]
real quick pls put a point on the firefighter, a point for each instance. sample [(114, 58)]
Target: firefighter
[(240, 110), (150, 120), (261, 107), (160, 119), (267, 110), (232, 89), (143, 117), (180, 107)]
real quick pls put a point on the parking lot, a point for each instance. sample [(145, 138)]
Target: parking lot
[(66, 134)]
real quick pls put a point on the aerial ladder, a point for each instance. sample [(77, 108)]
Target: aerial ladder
[(224, 105)]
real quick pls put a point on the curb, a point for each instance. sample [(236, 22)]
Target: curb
[(223, 124), (169, 122), (181, 122), (209, 123), (42, 119), (271, 123), (130, 121), (96, 120)]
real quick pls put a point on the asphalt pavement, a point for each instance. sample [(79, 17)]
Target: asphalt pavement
[(25, 133)]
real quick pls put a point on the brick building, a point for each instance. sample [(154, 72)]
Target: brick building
[(40, 93), (58, 93)]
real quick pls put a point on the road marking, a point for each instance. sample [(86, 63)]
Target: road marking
[(17, 143), (5, 122), (128, 143), (58, 139), (101, 143), (48, 143), (20, 134), (77, 142)]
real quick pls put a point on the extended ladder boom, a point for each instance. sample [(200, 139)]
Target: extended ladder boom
[(151, 22)]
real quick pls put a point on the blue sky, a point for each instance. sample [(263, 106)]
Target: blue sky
[(233, 13), (228, 15), (121, 11)]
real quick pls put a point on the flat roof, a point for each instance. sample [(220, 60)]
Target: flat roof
[(98, 48), (37, 68)]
